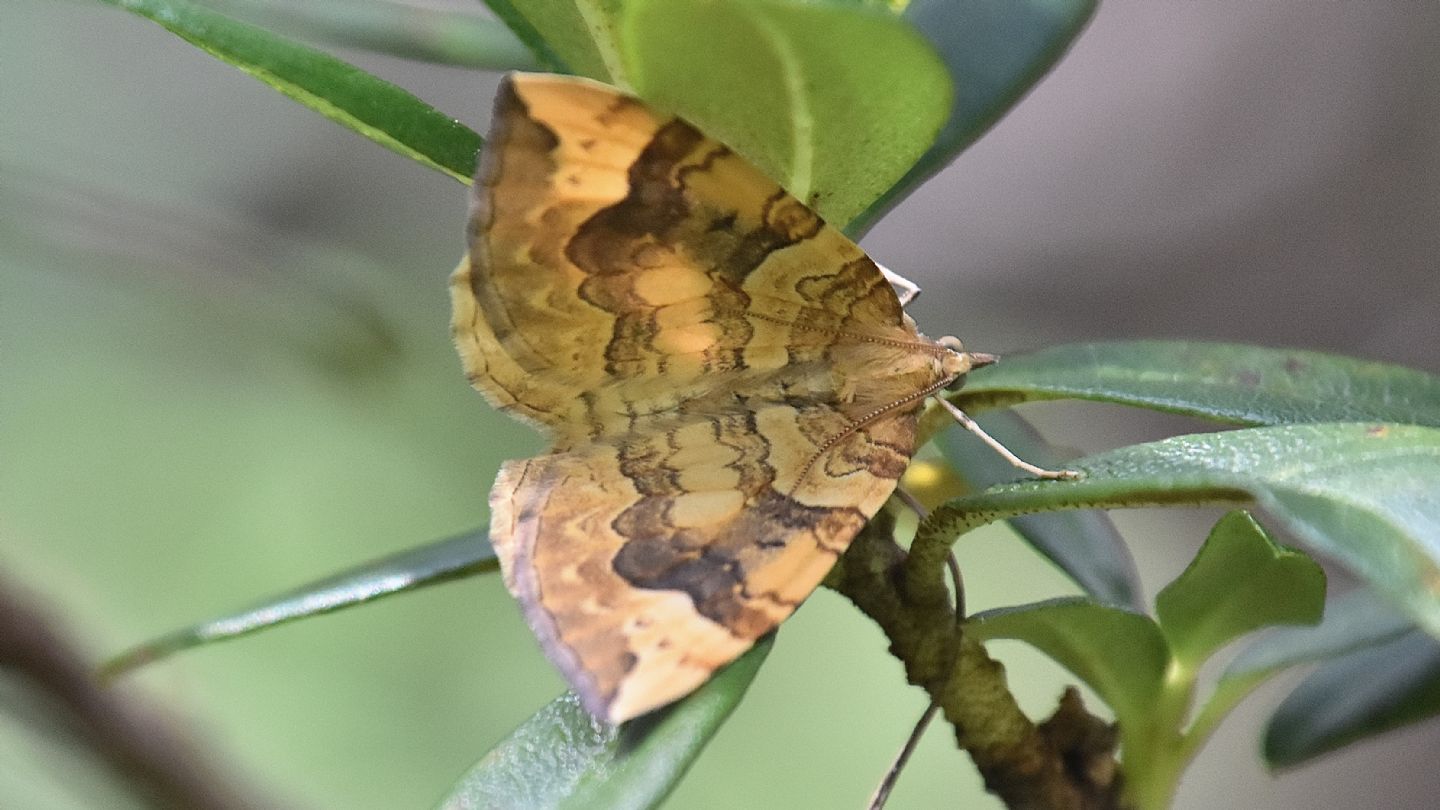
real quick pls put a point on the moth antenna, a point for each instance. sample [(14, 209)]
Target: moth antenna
[(882, 793), (905, 289), (1005, 453)]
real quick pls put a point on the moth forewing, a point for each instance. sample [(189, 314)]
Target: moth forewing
[(731, 385)]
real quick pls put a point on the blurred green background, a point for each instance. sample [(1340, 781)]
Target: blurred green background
[(225, 370)]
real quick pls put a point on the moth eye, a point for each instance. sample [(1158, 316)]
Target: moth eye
[(952, 343)]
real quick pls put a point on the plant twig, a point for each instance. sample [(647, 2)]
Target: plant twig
[(1026, 766), (158, 765), (957, 583)]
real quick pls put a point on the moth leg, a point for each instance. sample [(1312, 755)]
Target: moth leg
[(911, 502), (1005, 453), (892, 775), (905, 289), (882, 793)]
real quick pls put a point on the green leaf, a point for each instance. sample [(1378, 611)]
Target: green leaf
[(1085, 545), (386, 26), (521, 27), (563, 758), (1362, 493), (582, 35), (1356, 620), (339, 91), (1247, 385), (1361, 694), (1123, 656), (1118, 653), (834, 101), (1239, 582), (995, 51), (443, 561)]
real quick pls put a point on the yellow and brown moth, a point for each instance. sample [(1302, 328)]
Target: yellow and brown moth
[(730, 386)]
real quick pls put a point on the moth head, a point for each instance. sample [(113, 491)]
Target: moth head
[(958, 362)]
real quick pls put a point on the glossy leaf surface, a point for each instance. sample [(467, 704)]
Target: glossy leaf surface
[(1248, 385), (1362, 494), (337, 90), (454, 558), (563, 758)]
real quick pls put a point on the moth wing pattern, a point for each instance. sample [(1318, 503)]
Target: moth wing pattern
[(729, 384), (643, 566), (617, 252)]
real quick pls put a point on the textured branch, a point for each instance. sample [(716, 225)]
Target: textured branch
[(158, 765), (1064, 764)]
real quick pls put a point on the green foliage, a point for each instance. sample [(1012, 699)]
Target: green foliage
[(1358, 695), (341, 92), (851, 106), (1379, 672), (410, 570), (393, 27), (582, 35), (1082, 543), (1146, 670), (834, 130), (563, 758), (1118, 653), (1352, 622), (1245, 385), (994, 50), (1357, 492), (1240, 582)]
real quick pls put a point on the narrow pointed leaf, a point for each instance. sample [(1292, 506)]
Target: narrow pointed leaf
[(1366, 692), (446, 560), (337, 90), (834, 101), (519, 25), (562, 758), (1239, 582), (1083, 544), (1247, 385), (389, 26), (582, 35), (1363, 494), (994, 51), (1118, 653)]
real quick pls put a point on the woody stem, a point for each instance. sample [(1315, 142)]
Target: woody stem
[(1052, 766)]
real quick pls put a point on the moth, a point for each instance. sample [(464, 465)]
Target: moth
[(729, 385)]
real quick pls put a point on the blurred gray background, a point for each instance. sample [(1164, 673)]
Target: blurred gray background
[(224, 370)]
